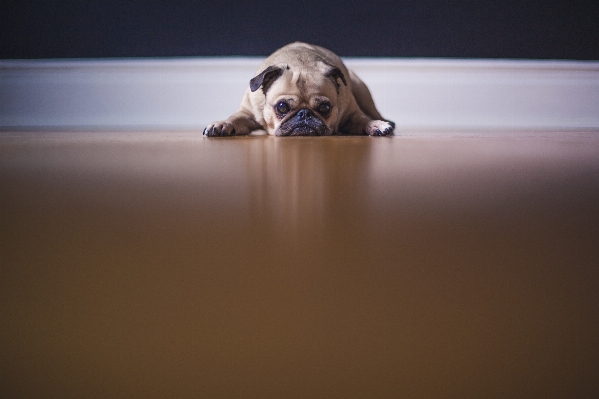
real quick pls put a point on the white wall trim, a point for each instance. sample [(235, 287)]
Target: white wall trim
[(188, 93)]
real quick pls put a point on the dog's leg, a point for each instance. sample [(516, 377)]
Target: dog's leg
[(358, 123), (239, 124), (363, 97)]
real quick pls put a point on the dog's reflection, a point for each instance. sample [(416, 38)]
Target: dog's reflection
[(308, 185)]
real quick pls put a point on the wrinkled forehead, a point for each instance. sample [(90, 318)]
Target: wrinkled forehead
[(303, 84)]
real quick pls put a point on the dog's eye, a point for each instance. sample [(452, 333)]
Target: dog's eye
[(324, 108), (282, 107)]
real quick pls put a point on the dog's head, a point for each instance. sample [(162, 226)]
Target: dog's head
[(300, 101)]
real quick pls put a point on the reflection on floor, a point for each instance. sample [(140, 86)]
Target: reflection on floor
[(168, 264)]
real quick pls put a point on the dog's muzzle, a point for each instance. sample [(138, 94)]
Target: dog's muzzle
[(303, 123)]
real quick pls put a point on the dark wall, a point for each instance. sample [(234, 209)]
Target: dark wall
[(492, 29)]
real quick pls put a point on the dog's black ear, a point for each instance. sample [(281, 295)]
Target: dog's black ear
[(335, 73), (266, 78)]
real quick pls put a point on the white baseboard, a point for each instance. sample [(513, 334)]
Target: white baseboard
[(189, 93)]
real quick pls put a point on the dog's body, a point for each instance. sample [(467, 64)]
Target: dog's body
[(304, 90)]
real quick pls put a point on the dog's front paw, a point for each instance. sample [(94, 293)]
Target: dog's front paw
[(219, 129), (379, 128)]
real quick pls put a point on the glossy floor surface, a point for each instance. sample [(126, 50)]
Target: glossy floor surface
[(153, 265)]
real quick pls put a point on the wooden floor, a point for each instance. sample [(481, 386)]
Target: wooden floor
[(154, 265)]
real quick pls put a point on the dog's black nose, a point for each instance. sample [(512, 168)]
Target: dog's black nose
[(304, 113)]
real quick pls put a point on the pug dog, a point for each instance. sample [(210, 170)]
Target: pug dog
[(304, 90)]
